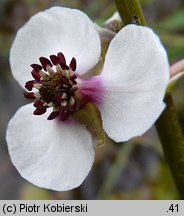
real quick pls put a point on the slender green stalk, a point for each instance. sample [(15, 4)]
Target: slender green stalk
[(171, 137), (168, 126), (130, 11)]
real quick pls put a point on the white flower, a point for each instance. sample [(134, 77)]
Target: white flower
[(129, 93)]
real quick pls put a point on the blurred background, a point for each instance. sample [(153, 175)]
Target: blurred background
[(134, 170)]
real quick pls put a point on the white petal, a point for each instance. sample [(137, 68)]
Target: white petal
[(50, 154), (55, 30), (136, 73)]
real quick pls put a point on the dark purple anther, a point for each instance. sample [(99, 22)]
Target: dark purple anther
[(45, 62), (30, 95), (74, 76), (55, 60), (73, 80), (39, 111), (58, 99), (36, 67), (64, 66), (39, 104), (53, 115), (61, 58), (36, 75), (29, 85), (73, 64), (64, 115), (74, 108)]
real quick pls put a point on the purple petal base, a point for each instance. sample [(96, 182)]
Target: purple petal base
[(93, 90)]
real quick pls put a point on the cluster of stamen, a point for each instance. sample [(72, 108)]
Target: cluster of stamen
[(56, 88)]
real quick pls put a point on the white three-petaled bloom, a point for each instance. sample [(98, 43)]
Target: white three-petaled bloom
[(129, 93)]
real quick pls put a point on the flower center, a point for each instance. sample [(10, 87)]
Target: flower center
[(56, 88)]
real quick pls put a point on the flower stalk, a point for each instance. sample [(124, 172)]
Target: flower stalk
[(130, 11), (167, 125), (171, 137)]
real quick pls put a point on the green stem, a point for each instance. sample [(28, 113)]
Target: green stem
[(171, 137), (130, 11), (168, 126)]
